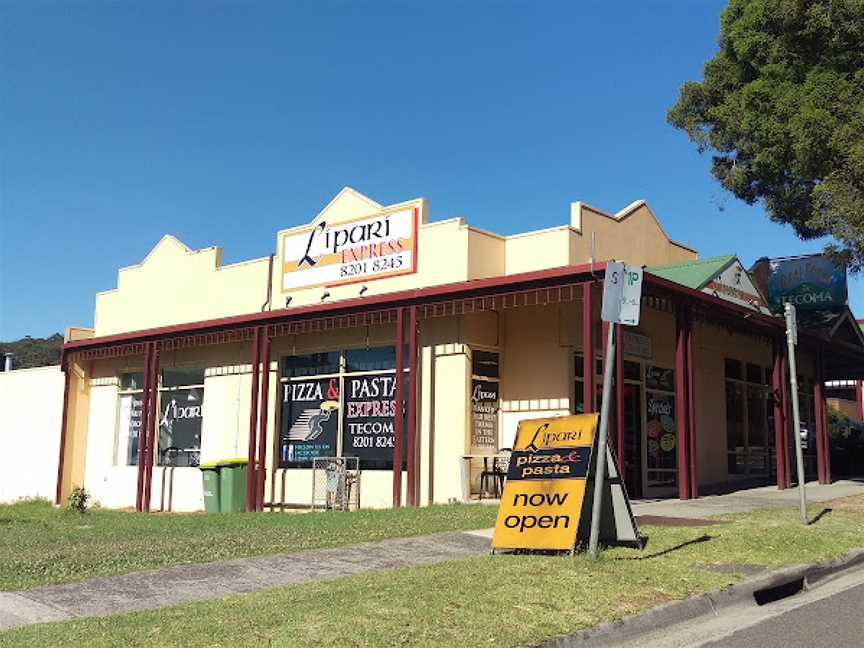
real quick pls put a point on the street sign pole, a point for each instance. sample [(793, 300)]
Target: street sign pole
[(791, 341), (600, 474), (622, 300)]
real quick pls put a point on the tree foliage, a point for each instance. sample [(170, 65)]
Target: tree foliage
[(33, 352), (781, 107)]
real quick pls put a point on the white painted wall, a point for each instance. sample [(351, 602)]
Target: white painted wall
[(31, 406)]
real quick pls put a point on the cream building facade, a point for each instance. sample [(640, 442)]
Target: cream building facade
[(505, 328)]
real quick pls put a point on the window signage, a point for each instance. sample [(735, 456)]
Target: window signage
[(309, 421), (484, 413), (180, 427), (360, 250), (368, 418)]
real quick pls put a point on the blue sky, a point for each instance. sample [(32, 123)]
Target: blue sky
[(222, 123)]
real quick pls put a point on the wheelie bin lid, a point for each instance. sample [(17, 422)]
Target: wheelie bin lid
[(222, 463)]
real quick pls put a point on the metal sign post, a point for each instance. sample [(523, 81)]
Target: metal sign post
[(792, 340), (622, 293)]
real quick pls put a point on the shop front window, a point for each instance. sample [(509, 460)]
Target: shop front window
[(749, 443), (129, 419), (340, 404), (485, 399), (181, 403), (661, 430), (179, 414)]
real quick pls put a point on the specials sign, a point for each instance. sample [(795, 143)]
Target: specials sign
[(547, 499), (542, 501), (331, 254)]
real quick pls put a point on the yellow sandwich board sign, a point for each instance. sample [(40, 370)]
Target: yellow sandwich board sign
[(544, 504)]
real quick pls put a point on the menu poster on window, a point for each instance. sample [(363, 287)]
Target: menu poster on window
[(368, 419), (659, 378), (310, 422), (180, 427), (661, 431), (130, 421), (484, 413)]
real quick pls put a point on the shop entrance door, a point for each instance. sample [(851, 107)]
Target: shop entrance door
[(632, 459), (661, 445)]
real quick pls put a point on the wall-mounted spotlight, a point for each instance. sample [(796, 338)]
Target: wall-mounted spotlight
[(288, 301), (363, 290), (325, 296)]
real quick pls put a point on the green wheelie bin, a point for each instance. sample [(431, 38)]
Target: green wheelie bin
[(232, 485), (210, 477)]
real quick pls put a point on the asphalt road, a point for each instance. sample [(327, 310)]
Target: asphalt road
[(828, 614), (836, 621)]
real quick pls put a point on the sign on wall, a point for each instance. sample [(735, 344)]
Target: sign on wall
[(809, 283), (636, 344), (309, 430), (368, 248), (484, 413)]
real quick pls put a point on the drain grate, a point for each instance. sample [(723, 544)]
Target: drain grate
[(778, 592)]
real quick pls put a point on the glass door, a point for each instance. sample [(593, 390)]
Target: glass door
[(632, 459), (661, 433)]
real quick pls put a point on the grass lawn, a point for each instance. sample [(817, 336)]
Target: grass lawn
[(503, 600), (41, 545)]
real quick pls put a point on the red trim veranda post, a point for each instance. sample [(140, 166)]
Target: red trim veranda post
[(413, 385), (784, 397), (262, 421), (779, 427), (398, 413), (818, 414), (253, 419), (823, 409), (859, 401), (152, 424), (619, 401), (142, 428), (691, 407), (587, 348), (681, 403), (64, 367)]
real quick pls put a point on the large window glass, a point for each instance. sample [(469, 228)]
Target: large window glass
[(341, 404), (485, 399), (179, 415), (129, 419), (748, 442)]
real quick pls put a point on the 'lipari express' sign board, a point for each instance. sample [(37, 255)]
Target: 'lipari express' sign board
[(330, 254), (542, 503)]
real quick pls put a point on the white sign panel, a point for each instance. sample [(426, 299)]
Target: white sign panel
[(622, 294), (636, 344), (631, 298), (369, 248), (735, 285)]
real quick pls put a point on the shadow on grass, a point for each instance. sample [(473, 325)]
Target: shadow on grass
[(822, 514), (658, 554)]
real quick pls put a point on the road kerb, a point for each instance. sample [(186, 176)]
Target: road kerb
[(663, 616)]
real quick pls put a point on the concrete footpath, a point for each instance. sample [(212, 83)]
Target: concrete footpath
[(174, 585), (744, 501)]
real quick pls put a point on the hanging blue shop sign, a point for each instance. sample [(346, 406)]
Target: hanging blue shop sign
[(810, 283)]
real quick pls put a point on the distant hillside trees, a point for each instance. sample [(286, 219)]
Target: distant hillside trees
[(33, 352)]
